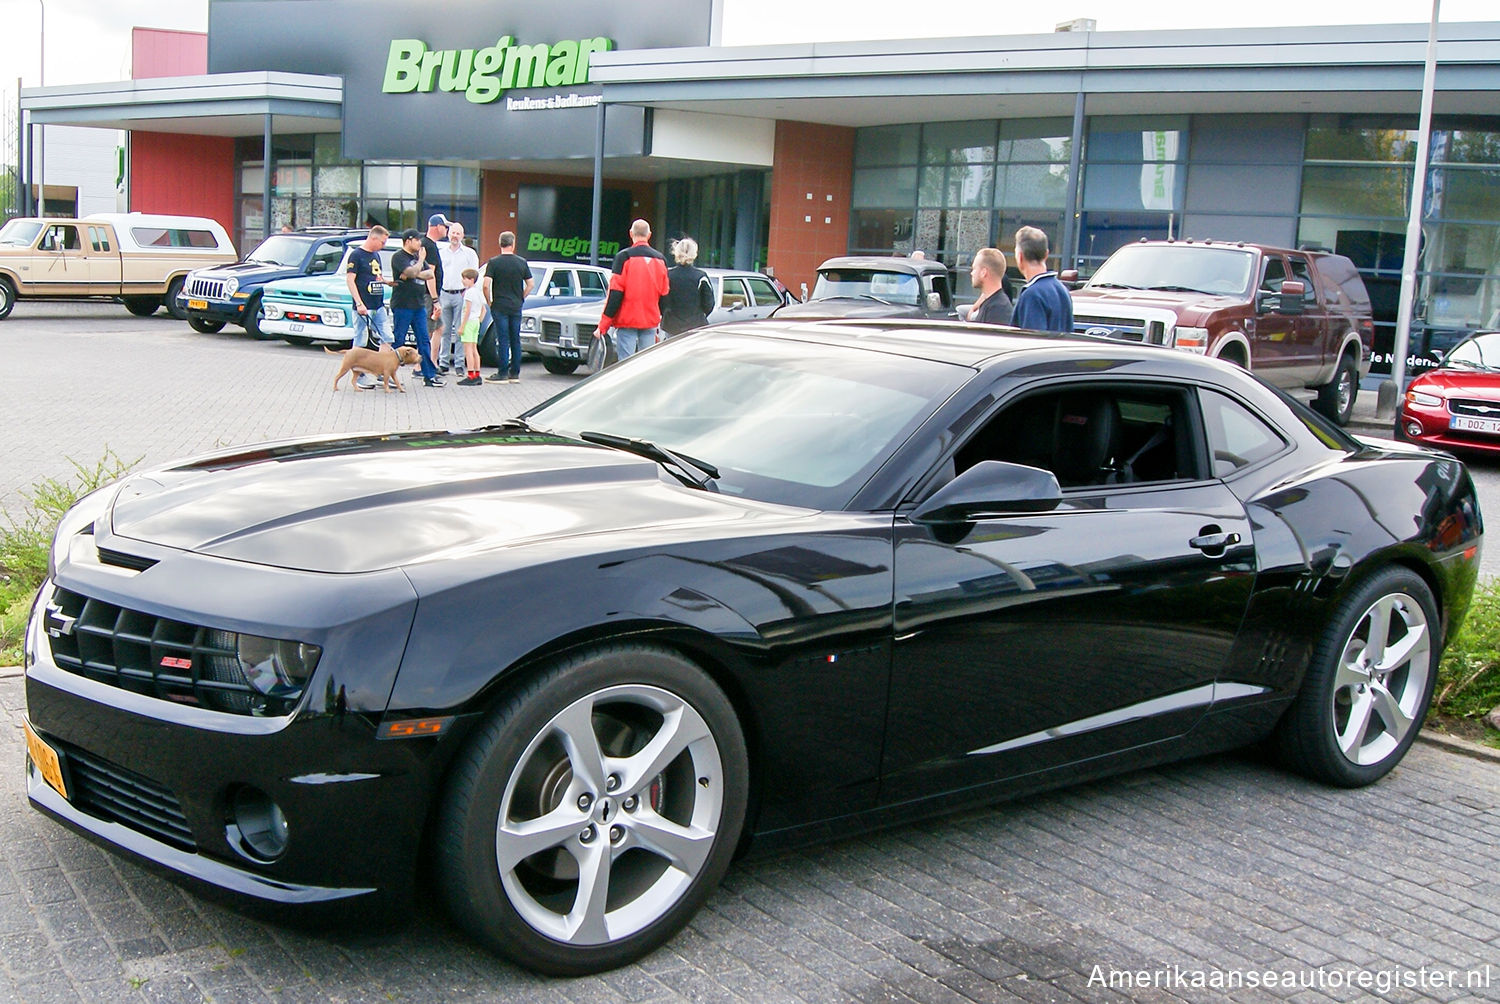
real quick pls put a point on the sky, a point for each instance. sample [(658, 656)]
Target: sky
[(89, 41)]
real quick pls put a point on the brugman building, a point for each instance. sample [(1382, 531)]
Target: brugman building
[(554, 119)]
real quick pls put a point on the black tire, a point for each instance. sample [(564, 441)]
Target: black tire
[(7, 298), (173, 289), (142, 306), (518, 769), (561, 367), (1336, 398), (203, 325), (253, 319), (489, 346), (1320, 735)]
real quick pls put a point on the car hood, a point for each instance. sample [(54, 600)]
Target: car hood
[(243, 270), (840, 307), (332, 287), (1461, 383), (358, 505), (1192, 307)]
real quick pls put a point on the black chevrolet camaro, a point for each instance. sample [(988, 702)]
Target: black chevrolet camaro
[(762, 583)]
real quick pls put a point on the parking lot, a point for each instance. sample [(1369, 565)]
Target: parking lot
[(1161, 885)]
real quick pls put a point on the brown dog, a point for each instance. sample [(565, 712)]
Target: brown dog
[(382, 365)]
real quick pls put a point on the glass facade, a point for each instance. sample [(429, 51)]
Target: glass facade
[(313, 185), (729, 215), (1336, 182)]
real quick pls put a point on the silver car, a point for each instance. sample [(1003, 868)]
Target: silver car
[(561, 334)]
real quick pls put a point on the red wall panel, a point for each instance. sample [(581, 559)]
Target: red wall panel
[(183, 175), (811, 189), (161, 52)]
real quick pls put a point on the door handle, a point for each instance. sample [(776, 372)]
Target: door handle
[(1214, 542)]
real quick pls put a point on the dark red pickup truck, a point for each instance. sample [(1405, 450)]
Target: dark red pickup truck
[(1297, 318)]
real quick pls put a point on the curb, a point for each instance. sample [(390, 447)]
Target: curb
[(1463, 747), (8, 671)]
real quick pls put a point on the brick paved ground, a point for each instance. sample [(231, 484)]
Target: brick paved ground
[(1223, 862)]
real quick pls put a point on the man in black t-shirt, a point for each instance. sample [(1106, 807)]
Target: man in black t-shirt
[(367, 283), (507, 283), (437, 232), (408, 303)]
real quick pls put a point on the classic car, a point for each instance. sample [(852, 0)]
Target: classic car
[(561, 335), (224, 294), (554, 285), (759, 584), (872, 286), (1456, 405), (139, 259), (317, 308)]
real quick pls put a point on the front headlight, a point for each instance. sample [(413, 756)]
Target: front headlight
[(231, 286), (1423, 400), (275, 671), (77, 519), (334, 318), (1191, 339), (528, 325), (272, 311)]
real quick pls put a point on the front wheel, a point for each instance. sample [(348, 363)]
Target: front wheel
[(562, 367), (7, 298), (594, 811), (1336, 398), (253, 317), (1369, 683), (204, 325)]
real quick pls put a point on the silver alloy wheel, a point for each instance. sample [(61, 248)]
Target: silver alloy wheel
[(1381, 679), (599, 836), (1345, 388)]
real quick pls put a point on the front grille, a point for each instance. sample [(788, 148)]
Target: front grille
[(151, 655), (1476, 408), (304, 316), (551, 331), (103, 789), (1117, 328), (208, 289)]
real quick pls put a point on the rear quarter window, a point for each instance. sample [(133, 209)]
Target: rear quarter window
[(1341, 282), (174, 237), (1237, 437)]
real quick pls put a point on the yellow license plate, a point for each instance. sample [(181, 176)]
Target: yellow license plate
[(197, 304), (45, 757)]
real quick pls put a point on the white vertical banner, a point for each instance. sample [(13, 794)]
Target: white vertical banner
[(1159, 168)]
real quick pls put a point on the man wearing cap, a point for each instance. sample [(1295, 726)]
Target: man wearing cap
[(437, 232), (412, 272)]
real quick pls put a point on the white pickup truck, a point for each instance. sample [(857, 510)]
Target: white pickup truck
[(137, 258)]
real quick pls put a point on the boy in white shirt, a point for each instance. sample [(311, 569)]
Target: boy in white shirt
[(468, 327)]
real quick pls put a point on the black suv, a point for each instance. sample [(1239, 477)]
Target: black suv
[(214, 297)]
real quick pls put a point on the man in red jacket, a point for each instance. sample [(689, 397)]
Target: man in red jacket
[(637, 283)]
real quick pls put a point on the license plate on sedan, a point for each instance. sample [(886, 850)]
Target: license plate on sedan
[(46, 760), (1467, 423), (570, 354), (197, 304)]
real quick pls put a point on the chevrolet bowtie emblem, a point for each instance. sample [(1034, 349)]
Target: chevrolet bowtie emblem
[(56, 623)]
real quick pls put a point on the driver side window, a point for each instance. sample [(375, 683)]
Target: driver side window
[(1090, 436)]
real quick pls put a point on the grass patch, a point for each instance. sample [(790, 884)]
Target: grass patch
[(26, 539), (1468, 683)]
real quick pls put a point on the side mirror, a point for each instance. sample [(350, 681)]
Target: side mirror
[(990, 488), (1288, 301), (935, 303), (1068, 277), (318, 267)]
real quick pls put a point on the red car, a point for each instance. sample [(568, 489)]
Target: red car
[(1457, 405)]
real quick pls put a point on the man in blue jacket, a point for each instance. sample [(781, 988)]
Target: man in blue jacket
[(1044, 303)]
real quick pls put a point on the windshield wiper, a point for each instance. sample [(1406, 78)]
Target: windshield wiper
[(872, 296), (645, 448), (1177, 289), (1111, 285)]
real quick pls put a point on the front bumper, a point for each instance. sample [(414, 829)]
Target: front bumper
[(228, 311), (1432, 426), (308, 329)]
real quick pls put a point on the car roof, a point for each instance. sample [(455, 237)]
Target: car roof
[(913, 266), (974, 345), (548, 263)]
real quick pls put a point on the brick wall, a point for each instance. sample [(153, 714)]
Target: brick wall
[(811, 188)]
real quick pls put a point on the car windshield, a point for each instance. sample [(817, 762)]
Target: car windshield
[(20, 233), (282, 249), (1481, 352), (783, 421), (868, 283), (1186, 267)]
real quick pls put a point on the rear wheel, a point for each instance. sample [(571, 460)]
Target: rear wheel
[(1369, 683), (204, 325), (142, 306), (1336, 398), (7, 298), (174, 289), (594, 811), (559, 366)]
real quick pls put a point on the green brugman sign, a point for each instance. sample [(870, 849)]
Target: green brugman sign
[(482, 75)]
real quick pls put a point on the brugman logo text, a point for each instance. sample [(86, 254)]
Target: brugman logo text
[(484, 74), (568, 247)]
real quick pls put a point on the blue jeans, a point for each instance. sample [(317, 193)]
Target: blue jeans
[(414, 319), (507, 329), (629, 341), (376, 323)]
